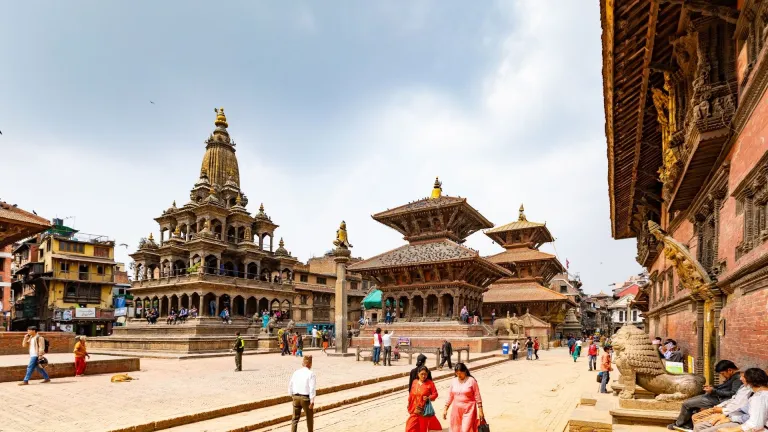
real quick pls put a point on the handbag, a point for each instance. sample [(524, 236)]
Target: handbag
[(600, 377), (428, 410), (483, 426)]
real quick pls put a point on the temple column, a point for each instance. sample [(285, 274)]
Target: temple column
[(397, 307), (200, 310), (423, 306), (162, 236), (271, 237), (440, 312)]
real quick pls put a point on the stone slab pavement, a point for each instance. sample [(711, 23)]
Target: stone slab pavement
[(166, 389), (523, 395)]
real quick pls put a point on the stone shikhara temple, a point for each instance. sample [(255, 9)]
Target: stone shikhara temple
[(212, 249), (213, 254)]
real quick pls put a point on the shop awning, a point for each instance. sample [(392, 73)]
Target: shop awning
[(372, 300)]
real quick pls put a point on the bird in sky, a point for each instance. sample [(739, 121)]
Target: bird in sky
[(34, 212), (151, 102), (123, 244)]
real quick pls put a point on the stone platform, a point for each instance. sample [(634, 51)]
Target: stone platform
[(201, 335), (14, 367), (431, 335)]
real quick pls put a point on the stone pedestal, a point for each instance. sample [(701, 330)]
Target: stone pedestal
[(341, 257), (267, 343)]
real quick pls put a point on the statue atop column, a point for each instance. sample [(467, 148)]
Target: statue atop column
[(342, 240)]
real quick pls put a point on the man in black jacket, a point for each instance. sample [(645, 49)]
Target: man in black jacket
[(446, 351), (712, 395), (238, 348)]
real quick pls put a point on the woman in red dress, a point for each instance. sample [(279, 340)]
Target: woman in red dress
[(421, 391)]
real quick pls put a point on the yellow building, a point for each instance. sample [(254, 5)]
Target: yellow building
[(72, 276)]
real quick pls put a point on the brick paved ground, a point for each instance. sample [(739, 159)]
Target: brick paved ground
[(165, 389), (524, 395)]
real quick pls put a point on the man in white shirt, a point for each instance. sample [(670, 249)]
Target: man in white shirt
[(36, 344), (314, 337), (302, 388), (386, 340)]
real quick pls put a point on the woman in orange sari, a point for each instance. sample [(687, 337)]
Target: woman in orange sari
[(422, 390)]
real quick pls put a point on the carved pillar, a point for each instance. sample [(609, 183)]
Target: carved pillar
[(700, 340)]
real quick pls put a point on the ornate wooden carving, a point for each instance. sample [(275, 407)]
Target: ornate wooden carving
[(692, 275)]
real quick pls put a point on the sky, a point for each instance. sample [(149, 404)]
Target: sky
[(339, 109)]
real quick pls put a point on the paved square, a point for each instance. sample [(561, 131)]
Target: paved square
[(166, 389)]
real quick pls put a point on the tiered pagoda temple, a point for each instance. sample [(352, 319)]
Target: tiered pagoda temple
[(433, 276), (525, 290)]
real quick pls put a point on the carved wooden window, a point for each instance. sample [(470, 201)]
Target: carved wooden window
[(321, 280)]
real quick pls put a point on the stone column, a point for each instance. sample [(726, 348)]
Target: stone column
[(341, 257)]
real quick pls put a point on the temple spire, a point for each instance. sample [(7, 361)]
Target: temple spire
[(437, 190), (522, 214)]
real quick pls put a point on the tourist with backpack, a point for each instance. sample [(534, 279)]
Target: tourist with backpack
[(38, 347)]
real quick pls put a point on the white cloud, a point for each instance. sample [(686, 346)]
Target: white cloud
[(504, 145)]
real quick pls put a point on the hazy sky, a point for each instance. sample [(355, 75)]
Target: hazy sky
[(340, 109)]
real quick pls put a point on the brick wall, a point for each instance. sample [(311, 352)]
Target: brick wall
[(61, 370), (60, 342), (746, 329), (680, 326)]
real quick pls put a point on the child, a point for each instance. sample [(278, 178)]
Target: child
[(396, 352)]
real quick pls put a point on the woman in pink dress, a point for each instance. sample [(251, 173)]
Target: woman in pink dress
[(464, 394)]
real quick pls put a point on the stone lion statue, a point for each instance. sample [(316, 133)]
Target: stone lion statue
[(271, 324), (639, 364), (290, 325)]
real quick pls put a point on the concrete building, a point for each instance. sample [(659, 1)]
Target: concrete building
[(64, 281), (620, 315)]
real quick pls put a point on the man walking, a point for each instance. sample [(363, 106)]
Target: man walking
[(314, 337), (446, 351), (529, 348), (386, 340), (238, 348), (36, 345), (592, 352), (536, 347), (302, 389)]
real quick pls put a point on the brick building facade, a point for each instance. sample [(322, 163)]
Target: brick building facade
[(5, 286), (688, 167)]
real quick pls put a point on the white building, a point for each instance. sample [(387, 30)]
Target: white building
[(620, 315)]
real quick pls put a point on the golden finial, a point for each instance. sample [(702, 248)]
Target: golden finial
[(221, 119), (174, 204), (522, 214), (282, 243), (151, 237), (261, 208), (437, 190), (239, 199)]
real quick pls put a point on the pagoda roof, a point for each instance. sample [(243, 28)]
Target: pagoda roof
[(516, 225), (476, 220), (425, 252), (520, 292), (539, 236), (16, 224), (521, 254)]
